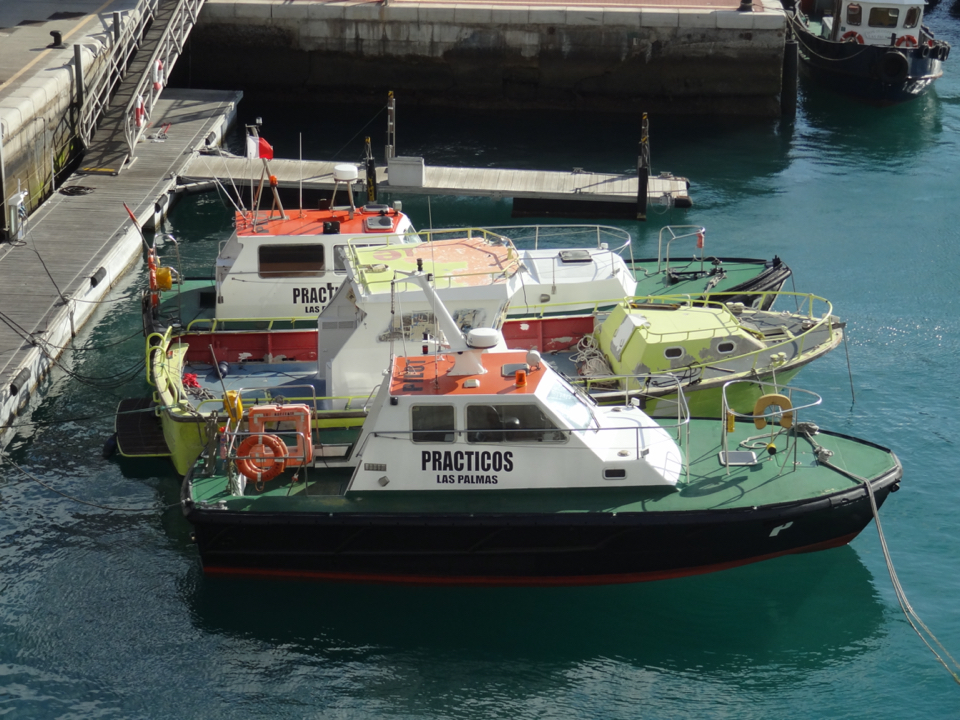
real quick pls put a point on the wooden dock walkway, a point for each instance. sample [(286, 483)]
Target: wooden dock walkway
[(576, 186), (76, 246)]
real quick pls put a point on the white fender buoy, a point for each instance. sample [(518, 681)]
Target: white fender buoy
[(158, 75)]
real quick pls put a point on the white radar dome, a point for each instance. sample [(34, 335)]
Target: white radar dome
[(483, 338), (345, 173)]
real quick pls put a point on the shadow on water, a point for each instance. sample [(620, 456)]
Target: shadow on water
[(845, 133), (800, 613), (737, 151)]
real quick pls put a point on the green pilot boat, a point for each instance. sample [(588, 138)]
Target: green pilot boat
[(479, 467)]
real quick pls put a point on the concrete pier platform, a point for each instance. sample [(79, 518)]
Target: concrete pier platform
[(567, 188), (81, 240), (657, 56)]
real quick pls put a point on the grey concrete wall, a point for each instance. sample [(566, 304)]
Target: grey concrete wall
[(616, 58), (39, 119)]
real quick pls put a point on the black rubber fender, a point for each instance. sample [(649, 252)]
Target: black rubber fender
[(893, 67)]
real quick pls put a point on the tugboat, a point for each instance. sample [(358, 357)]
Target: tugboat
[(879, 51), (489, 468)]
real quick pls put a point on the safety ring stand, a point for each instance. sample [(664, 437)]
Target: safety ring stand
[(775, 407)]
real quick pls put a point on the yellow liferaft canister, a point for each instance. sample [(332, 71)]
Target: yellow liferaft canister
[(233, 405), (164, 278)]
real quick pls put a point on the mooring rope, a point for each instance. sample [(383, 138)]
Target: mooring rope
[(823, 455), (40, 482)]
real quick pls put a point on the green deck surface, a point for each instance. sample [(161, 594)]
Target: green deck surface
[(710, 485)]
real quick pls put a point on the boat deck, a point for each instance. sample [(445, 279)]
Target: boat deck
[(294, 381), (783, 477)]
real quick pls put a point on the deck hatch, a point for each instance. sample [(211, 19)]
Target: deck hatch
[(737, 457), (575, 256)]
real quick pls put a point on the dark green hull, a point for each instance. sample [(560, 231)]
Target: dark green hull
[(713, 521)]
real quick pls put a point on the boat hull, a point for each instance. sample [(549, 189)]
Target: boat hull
[(523, 548), (881, 75)]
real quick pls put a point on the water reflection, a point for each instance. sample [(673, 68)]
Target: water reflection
[(800, 613), (845, 134)]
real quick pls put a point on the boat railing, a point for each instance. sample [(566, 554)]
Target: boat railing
[(776, 409), (323, 406), (679, 232), (604, 237), (261, 324)]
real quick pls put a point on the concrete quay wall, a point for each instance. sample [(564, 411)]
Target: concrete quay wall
[(657, 59)]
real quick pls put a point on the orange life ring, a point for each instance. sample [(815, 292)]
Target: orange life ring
[(252, 457), (908, 40), (851, 36), (299, 414), (152, 274)]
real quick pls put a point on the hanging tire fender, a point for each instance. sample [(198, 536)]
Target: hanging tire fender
[(893, 67)]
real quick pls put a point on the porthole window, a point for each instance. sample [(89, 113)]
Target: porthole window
[(672, 353), (725, 348), (854, 14)]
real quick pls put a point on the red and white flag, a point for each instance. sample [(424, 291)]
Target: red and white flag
[(257, 147)]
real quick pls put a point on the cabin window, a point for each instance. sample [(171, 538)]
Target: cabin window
[(672, 353), (912, 18), (510, 423), (726, 347), (571, 407), (291, 260), (854, 14), (340, 254), (432, 423), (884, 17)]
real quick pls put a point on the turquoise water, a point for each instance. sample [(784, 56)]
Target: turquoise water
[(104, 613)]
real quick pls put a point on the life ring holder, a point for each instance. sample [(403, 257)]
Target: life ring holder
[(299, 414), (908, 41), (250, 460), (769, 400), (852, 36)]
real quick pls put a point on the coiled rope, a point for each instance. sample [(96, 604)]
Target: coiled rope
[(589, 359)]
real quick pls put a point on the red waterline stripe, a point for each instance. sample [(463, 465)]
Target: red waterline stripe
[(525, 581)]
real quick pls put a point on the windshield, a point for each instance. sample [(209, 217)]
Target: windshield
[(571, 406)]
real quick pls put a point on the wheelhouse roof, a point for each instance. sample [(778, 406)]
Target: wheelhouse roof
[(310, 222), (463, 262), (427, 375)]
